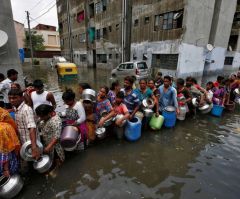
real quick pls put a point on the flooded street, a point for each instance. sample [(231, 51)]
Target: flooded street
[(199, 158)]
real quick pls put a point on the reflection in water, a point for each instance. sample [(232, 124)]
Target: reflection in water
[(199, 158)]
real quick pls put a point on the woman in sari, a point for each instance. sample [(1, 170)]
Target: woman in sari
[(9, 145)]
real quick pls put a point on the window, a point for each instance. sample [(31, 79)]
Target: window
[(122, 66), (104, 34), (83, 57), (165, 61), (136, 22), (91, 10), (104, 5), (98, 7), (158, 22), (52, 40), (110, 56), (98, 34), (110, 28), (146, 20), (117, 26), (228, 61), (142, 65), (80, 16), (117, 56), (101, 58), (129, 66), (82, 37), (168, 21)]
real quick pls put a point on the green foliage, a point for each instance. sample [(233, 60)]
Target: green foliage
[(36, 62), (37, 41)]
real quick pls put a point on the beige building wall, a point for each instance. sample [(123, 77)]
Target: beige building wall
[(20, 33), (51, 39)]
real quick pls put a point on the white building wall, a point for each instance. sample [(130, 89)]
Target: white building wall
[(191, 60)]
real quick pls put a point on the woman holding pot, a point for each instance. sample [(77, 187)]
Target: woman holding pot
[(103, 107), (9, 145), (50, 127), (75, 114)]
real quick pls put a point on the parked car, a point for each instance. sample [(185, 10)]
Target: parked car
[(138, 69), (56, 60)]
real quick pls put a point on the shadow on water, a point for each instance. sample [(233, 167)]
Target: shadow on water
[(199, 158)]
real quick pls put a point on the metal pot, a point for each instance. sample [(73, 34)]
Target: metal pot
[(75, 146), (148, 112), (194, 102), (101, 133), (170, 109), (69, 136), (148, 103), (43, 164), (10, 186), (237, 91), (139, 115), (120, 116), (207, 110), (26, 151), (204, 107), (89, 94)]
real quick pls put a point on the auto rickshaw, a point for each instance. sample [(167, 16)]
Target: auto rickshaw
[(66, 71)]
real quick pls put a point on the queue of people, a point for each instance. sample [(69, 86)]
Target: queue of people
[(35, 117)]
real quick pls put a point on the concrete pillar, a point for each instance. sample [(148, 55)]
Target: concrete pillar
[(219, 36), (9, 53)]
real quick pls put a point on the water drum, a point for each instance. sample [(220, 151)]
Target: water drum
[(170, 118), (133, 129), (217, 110)]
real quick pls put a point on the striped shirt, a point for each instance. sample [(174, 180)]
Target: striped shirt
[(24, 120), (131, 100)]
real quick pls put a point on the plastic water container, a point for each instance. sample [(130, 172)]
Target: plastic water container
[(133, 129), (12, 114), (217, 110), (156, 122), (169, 119)]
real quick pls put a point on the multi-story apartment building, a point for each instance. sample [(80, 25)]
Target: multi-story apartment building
[(172, 35)]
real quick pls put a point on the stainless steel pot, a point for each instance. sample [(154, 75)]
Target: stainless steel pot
[(75, 146), (170, 109), (148, 112), (148, 103), (204, 107), (101, 133), (10, 186), (43, 164), (89, 94), (194, 102), (69, 136), (120, 116), (26, 151)]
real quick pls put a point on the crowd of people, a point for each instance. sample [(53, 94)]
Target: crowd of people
[(33, 115)]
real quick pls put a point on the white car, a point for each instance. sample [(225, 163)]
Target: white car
[(138, 69)]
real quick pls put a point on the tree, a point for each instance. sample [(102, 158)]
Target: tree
[(37, 41)]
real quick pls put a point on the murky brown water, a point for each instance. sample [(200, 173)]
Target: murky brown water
[(197, 159)]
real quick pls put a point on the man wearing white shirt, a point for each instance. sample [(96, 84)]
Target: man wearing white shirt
[(12, 76)]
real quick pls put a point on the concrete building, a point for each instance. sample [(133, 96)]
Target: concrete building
[(50, 36), (9, 50), (171, 35), (20, 33)]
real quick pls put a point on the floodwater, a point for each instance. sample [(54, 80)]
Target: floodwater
[(199, 158)]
